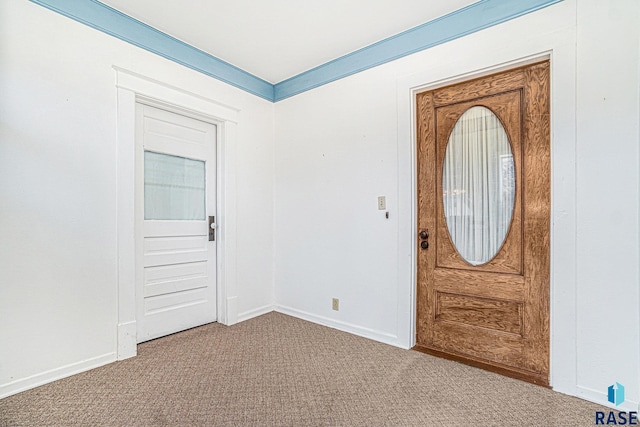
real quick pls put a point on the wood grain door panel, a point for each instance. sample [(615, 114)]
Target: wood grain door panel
[(487, 313), (507, 107)]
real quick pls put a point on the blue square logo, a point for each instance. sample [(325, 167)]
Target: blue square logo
[(615, 393)]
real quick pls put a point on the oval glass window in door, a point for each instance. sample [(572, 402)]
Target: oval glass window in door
[(478, 185)]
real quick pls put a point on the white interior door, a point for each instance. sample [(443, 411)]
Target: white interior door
[(175, 204)]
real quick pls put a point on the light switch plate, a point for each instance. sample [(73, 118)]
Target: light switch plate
[(382, 203)]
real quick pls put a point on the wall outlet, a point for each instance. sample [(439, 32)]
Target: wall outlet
[(335, 304), (382, 203)]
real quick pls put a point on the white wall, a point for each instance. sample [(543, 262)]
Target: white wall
[(58, 251), (336, 152), (607, 196), (341, 145)]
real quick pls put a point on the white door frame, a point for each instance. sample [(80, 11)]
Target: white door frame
[(133, 88)]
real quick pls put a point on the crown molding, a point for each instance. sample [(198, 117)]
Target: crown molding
[(113, 22), (475, 17)]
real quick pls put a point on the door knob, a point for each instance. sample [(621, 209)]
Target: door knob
[(424, 244), (424, 235)]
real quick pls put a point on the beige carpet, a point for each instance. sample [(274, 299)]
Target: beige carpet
[(276, 370)]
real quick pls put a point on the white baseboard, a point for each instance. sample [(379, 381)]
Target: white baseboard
[(33, 381), (600, 397), (255, 312), (342, 326), (127, 340)]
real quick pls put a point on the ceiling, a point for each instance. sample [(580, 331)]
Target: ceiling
[(278, 39)]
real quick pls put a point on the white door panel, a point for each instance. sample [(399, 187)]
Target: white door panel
[(175, 147), (184, 137), (165, 273), (175, 228), (166, 128), (163, 245), (173, 286), (176, 195), (174, 305), (175, 258), (167, 279)]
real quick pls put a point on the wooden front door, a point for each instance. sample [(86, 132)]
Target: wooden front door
[(483, 222)]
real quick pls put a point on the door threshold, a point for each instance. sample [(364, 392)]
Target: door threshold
[(507, 371)]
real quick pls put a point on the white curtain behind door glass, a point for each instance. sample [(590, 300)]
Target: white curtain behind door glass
[(174, 187), (478, 185)]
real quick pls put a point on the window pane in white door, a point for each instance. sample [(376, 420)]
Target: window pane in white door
[(174, 187)]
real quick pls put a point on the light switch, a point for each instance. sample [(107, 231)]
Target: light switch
[(382, 203)]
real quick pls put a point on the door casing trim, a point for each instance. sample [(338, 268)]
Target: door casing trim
[(135, 88)]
